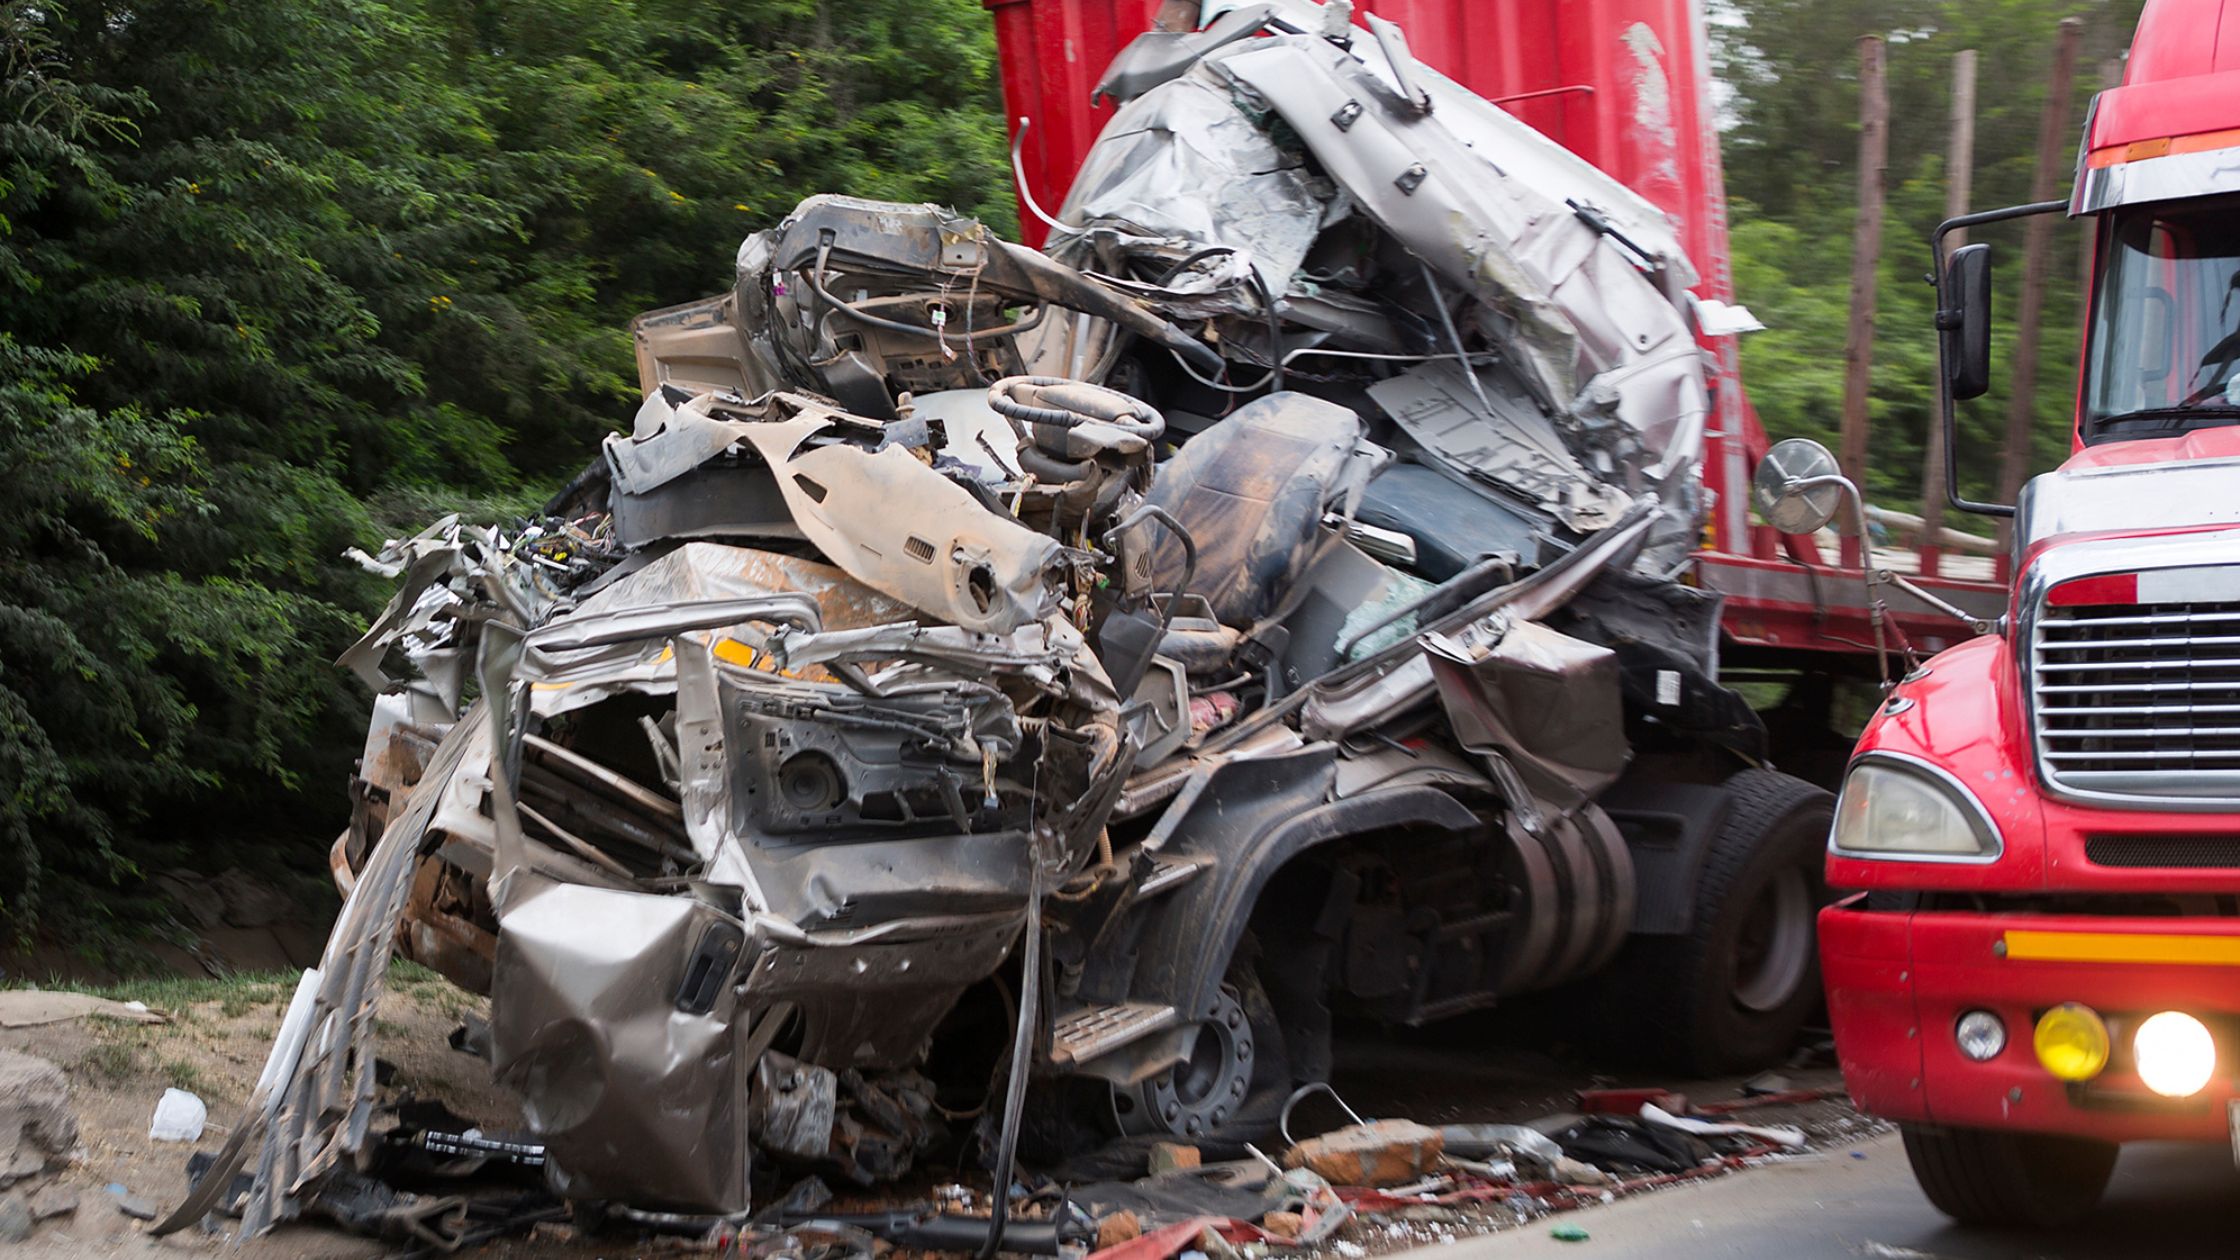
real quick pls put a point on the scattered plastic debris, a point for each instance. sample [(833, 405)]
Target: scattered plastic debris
[(179, 1117)]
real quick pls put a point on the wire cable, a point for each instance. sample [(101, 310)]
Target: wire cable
[(1022, 1048), (1019, 173)]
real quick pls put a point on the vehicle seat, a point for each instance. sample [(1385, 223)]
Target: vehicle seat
[(1252, 491)]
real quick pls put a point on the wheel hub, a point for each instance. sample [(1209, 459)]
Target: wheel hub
[(1199, 1094), (1775, 944)]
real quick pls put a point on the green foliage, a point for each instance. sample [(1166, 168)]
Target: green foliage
[(1792, 157), (280, 276)]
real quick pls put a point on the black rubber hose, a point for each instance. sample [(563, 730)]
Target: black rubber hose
[(1211, 251), (1259, 286), (1022, 1050), (1275, 331)]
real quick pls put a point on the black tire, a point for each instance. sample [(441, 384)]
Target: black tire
[(1732, 994), (1986, 1177)]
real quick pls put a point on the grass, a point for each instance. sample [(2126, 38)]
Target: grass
[(180, 1074), (122, 1049), (110, 1059), (407, 974), (235, 994)]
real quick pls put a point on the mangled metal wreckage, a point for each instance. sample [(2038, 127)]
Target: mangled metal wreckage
[(850, 710)]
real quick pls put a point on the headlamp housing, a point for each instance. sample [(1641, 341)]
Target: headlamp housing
[(1898, 807)]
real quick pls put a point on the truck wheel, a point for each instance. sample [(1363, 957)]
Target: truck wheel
[(1987, 1177), (1234, 1083), (1733, 992)]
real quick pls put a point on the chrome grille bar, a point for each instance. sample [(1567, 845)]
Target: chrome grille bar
[(2138, 699)]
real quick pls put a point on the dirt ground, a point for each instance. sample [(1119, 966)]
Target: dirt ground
[(215, 1045)]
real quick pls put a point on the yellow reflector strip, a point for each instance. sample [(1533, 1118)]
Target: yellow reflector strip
[(2142, 150), (2123, 947)]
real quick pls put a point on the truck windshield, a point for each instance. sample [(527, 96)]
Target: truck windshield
[(2165, 348)]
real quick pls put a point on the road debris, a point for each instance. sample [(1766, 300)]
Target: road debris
[(1382, 1153), (52, 1200), (1775, 1136), (129, 1204), (179, 1117), (1168, 1157)]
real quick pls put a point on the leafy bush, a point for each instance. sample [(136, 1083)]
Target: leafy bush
[(278, 275)]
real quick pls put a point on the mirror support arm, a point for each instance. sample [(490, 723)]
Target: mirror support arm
[(1945, 318), (1869, 575)]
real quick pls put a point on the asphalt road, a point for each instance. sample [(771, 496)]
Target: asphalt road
[(2168, 1201)]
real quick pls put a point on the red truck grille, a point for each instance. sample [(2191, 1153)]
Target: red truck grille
[(2139, 699)]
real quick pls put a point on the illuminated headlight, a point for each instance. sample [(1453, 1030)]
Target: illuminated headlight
[(2175, 1055), (1891, 809), (1981, 1035)]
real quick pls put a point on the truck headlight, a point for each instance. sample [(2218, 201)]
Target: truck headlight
[(1902, 808), (2174, 1053)]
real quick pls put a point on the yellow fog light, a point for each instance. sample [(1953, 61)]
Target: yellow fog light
[(2175, 1054), (2072, 1042)]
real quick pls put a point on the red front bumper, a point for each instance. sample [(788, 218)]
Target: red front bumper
[(1898, 982)]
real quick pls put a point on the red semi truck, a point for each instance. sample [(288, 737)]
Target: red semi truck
[(2045, 820)]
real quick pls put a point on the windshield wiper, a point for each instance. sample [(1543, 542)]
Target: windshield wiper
[(2178, 417)]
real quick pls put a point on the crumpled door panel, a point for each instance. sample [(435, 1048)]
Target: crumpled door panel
[(634, 1098)]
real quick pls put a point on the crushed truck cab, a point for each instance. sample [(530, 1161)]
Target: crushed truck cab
[(2042, 825)]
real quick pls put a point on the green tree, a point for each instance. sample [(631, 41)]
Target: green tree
[(1791, 157), (277, 276)]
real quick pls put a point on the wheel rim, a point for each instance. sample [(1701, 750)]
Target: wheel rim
[(1774, 946), (1200, 1093)]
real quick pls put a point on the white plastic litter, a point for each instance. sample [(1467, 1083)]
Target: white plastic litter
[(1779, 1135), (179, 1117)]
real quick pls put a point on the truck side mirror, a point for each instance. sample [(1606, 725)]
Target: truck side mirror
[(1966, 321), (1796, 486)]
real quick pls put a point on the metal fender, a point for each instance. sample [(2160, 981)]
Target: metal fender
[(1254, 816)]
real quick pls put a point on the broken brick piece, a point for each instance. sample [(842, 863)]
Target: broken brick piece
[(1166, 1157), (1122, 1226), (1285, 1225), (1380, 1153)]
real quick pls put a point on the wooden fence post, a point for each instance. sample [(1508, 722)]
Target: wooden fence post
[(2037, 244), (1959, 177), (1866, 252)]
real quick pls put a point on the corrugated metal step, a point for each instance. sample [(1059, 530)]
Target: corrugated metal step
[(1095, 1031)]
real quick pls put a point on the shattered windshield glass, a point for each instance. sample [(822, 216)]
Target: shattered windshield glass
[(2166, 322)]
